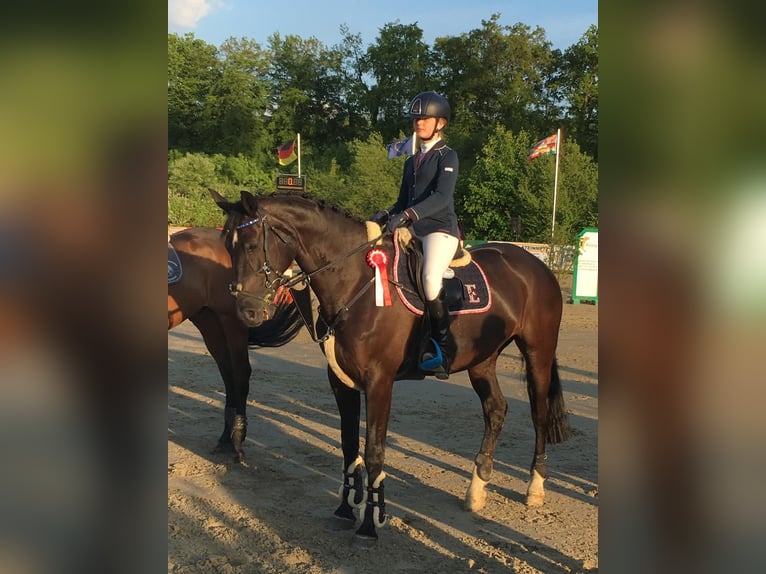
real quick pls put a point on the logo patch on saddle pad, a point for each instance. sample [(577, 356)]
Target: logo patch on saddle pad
[(175, 271), (476, 295)]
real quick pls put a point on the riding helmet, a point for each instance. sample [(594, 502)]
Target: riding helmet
[(429, 105)]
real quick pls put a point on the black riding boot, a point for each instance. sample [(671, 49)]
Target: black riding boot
[(440, 320)]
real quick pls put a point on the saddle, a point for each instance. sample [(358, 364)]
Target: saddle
[(466, 288)]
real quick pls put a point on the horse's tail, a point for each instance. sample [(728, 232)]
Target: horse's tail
[(558, 421), (279, 330)]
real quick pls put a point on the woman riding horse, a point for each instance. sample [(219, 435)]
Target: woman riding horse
[(367, 345)]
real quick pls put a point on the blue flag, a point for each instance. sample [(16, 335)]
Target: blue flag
[(399, 148)]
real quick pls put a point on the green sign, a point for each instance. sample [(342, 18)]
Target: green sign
[(585, 277)]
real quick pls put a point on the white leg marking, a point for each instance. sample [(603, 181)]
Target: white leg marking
[(535, 491), (476, 497)]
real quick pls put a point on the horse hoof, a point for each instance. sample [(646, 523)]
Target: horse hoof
[(476, 502), (534, 500), (345, 512), (224, 446), (359, 542), (338, 523)]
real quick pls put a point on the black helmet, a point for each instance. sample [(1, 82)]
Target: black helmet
[(429, 105)]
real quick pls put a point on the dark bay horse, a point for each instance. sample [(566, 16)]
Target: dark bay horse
[(367, 345), (202, 296)]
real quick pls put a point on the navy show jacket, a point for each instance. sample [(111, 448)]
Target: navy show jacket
[(428, 190)]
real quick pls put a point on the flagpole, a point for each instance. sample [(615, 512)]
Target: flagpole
[(556, 181), (299, 155)]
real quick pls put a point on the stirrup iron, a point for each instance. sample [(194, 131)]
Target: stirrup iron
[(435, 361)]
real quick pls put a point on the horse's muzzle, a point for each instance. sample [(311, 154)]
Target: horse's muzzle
[(252, 309), (253, 317)]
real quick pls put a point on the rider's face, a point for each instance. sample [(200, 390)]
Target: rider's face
[(425, 127)]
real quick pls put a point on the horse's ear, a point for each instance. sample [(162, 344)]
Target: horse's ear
[(221, 201), (249, 203), (226, 205)]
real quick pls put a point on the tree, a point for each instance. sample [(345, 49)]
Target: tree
[(233, 106), (503, 185), (374, 179), (493, 75), (493, 200), (400, 63), (189, 177), (238, 101), (307, 94), (577, 201), (193, 68), (577, 82)]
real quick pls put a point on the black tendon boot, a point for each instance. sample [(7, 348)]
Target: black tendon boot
[(440, 319)]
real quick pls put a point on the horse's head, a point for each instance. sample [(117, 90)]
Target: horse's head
[(259, 255)]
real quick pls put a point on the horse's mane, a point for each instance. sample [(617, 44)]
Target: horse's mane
[(320, 203), (236, 218)]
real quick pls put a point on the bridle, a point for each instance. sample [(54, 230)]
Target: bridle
[(283, 281), (235, 287)]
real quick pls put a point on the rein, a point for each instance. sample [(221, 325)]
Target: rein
[(287, 282)]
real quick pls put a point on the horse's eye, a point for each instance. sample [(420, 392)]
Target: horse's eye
[(250, 247)]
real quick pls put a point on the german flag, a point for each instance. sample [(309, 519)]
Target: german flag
[(286, 153)]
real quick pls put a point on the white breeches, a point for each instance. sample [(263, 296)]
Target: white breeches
[(438, 250)]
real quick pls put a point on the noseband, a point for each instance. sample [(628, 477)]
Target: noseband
[(235, 288)]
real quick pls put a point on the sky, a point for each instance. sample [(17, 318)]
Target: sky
[(214, 21)]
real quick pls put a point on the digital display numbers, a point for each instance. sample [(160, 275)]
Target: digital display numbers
[(291, 183)]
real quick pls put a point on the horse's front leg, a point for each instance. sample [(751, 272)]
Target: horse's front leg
[(226, 339), (373, 514), (493, 404), (352, 491), (238, 391)]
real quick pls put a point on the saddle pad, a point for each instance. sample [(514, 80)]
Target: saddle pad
[(175, 271), (477, 297)]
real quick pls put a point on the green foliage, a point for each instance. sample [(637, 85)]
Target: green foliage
[(495, 74), (401, 65), (374, 178), (230, 107), (329, 185), (503, 186), (237, 100), (189, 202), (494, 186), (245, 172), (577, 81), (193, 68), (191, 175)]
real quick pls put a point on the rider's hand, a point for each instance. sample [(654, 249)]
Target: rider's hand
[(398, 220), (380, 217)]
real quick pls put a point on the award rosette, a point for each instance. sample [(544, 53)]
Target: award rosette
[(378, 260)]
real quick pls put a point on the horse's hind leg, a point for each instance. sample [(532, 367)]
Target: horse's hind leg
[(548, 415), (226, 339), (352, 491), (484, 381)]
